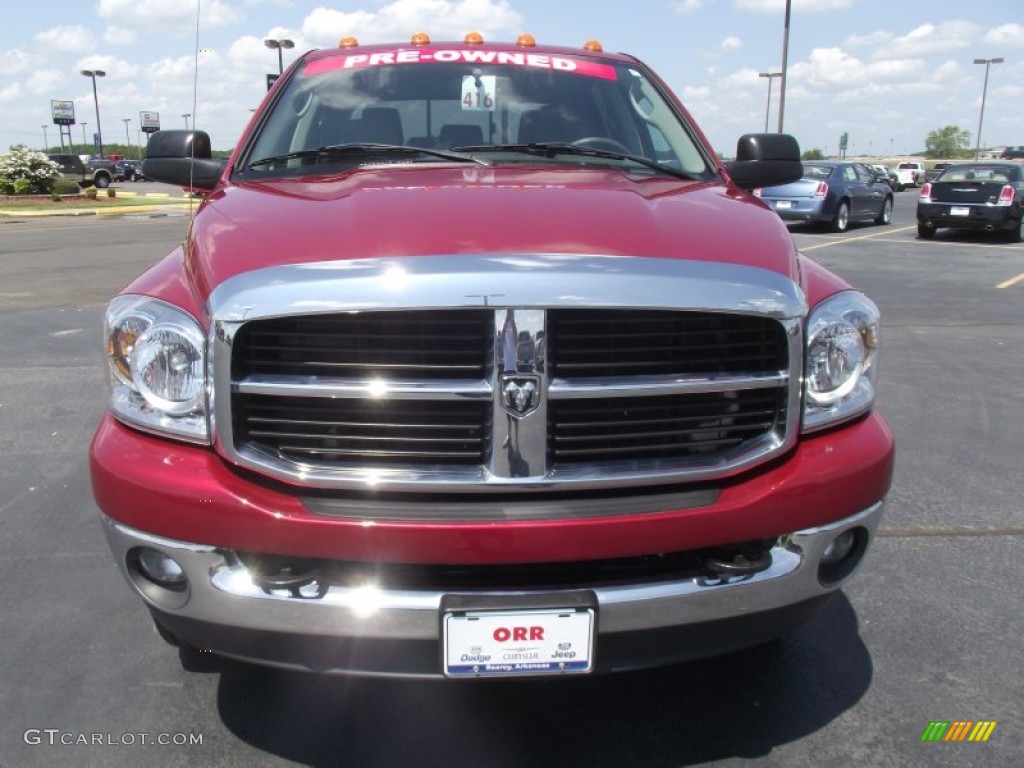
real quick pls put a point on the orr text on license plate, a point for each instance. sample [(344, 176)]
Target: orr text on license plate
[(550, 641)]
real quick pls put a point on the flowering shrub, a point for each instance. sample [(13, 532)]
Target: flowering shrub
[(25, 171)]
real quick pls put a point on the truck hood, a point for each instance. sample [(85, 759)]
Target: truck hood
[(417, 211)]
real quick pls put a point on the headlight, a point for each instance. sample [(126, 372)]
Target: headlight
[(157, 358), (842, 360)]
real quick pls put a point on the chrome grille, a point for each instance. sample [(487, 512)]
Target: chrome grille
[(666, 427), (312, 430), (614, 342), (491, 375), (439, 344)]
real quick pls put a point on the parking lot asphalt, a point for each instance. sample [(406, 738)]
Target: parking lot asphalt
[(928, 630)]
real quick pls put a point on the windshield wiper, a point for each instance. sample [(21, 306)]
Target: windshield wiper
[(365, 148), (552, 148)]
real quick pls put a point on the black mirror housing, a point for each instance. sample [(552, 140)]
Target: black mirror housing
[(765, 160), (182, 158)]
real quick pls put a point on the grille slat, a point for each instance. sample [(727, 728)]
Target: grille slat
[(435, 344), (735, 369)]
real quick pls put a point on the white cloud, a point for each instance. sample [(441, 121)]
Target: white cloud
[(17, 61), (164, 15), (731, 43), (445, 20), (929, 39), (119, 36), (866, 41), (45, 81), (804, 6), (1006, 35), (741, 78), (11, 94), (76, 39), (687, 6)]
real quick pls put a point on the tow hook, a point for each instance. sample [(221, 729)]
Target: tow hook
[(739, 563)]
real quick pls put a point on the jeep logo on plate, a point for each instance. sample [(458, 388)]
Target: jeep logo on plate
[(520, 394)]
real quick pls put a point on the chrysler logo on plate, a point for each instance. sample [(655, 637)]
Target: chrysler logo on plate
[(520, 394)]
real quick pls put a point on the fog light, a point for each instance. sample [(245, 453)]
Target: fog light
[(842, 555), (161, 569), (840, 547)]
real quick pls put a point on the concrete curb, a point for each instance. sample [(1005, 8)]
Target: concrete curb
[(111, 211)]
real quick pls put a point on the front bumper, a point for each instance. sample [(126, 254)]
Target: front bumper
[(397, 632)]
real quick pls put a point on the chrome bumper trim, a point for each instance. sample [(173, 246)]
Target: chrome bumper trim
[(222, 592)]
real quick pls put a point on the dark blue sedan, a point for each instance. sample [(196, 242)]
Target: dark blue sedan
[(833, 193)]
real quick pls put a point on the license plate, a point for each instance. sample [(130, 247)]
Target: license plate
[(509, 643), (957, 210), (783, 204)]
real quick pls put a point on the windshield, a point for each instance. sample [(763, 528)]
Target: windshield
[(483, 103)]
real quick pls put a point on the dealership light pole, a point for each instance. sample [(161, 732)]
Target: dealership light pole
[(279, 45), (984, 92), (46, 140), (785, 65), (767, 110), (85, 141), (94, 73), (186, 115), (127, 135)]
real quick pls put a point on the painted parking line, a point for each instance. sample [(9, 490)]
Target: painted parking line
[(1012, 281), (874, 236)]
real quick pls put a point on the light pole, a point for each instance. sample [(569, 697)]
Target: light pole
[(46, 140), (771, 76), (186, 115), (785, 65), (127, 135), (279, 45), (984, 92), (85, 141), (94, 73)]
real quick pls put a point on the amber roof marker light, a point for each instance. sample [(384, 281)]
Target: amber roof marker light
[(348, 41), (526, 40), (420, 38), (473, 38), (593, 46)]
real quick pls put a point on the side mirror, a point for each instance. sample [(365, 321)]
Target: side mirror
[(182, 158), (765, 160)]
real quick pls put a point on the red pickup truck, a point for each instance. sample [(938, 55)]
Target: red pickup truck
[(475, 361)]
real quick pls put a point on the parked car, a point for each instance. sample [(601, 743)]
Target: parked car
[(911, 173), (1012, 153), (986, 196), (477, 362), (128, 170), (934, 172), (889, 176), (834, 193)]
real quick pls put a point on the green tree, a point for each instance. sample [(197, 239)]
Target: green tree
[(948, 141), (813, 154)]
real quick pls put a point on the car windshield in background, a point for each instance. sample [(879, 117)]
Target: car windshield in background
[(980, 173), (817, 171), (488, 104)]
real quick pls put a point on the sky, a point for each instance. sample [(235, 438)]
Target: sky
[(886, 72)]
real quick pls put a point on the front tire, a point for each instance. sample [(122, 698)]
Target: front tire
[(102, 181), (885, 215), (842, 218)]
